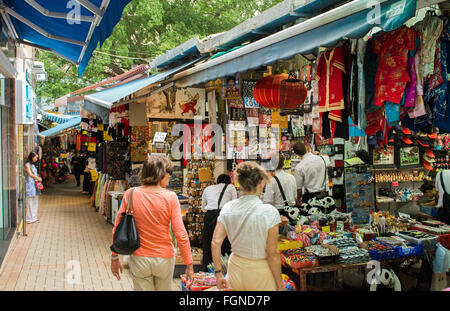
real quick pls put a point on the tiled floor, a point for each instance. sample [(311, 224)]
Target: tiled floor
[(67, 250)]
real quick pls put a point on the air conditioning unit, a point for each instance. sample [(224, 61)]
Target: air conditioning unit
[(38, 67), (41, 77)]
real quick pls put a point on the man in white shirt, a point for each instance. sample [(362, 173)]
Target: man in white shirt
[(443, 211), (225, 192), (310, 174), (272, 193)]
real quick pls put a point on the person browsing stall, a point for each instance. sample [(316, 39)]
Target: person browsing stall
[(213, 199), (156, 210), (310, 174), (443, 196), (252, 228), (281, 181)]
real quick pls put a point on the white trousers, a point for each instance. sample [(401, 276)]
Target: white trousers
[(32, 204)]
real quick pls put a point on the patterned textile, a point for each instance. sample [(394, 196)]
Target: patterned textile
[(430, 30), (440, 93), (330, 74), (30, 183), (392, 74)]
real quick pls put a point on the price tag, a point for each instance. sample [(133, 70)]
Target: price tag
[(307, 230), (326, 229), (159, 137), (395, 184)]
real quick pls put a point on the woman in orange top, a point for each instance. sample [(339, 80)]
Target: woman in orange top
[(155, 210)]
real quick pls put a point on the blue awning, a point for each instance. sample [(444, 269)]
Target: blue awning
[(101, 102), (55, 117), (108, 97), (352, 20), (62, 127), (67, 28)]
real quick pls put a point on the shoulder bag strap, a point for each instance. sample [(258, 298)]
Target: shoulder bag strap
[(324, 185), (281, 190), (221, 196), (129, 210), (442, 182)]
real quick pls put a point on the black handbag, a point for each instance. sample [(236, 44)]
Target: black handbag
[(444, 211), (126, 238)]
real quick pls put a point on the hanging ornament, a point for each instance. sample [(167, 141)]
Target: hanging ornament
[(293, 92), (267, 91)]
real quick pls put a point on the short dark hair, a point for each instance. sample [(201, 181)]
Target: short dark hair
[(224, 179), (427, 186), (299, 148), (250, 175), (154, 170)]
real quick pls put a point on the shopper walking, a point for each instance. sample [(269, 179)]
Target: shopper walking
[(156, 210), (310, 174), (213, 199), (252, 228), (281, 190), (77, 167), (31, 192)]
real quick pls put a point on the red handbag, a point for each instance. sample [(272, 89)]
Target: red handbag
[(39, 186)]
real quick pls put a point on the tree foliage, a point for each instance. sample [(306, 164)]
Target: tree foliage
[(148, 28)]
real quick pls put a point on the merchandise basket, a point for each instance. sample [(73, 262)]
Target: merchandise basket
[(386, 255), (428, 244), (415, 250)]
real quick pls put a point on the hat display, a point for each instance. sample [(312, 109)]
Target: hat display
[(427, 165)]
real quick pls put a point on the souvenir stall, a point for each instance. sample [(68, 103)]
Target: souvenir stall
[(387, 94)]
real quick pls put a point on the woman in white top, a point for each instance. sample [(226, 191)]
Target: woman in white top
[(223, 192), (252, 228)]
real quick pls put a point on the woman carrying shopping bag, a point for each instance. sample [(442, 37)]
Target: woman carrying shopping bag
[(32, 193), (155, 211)]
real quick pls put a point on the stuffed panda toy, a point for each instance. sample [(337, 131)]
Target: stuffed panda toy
[(293, 213)]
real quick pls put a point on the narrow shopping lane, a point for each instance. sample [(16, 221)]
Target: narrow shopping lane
[(70, 237)]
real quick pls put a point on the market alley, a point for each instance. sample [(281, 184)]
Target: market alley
[(69, 232)]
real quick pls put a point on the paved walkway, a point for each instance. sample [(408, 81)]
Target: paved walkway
[(70, 237)]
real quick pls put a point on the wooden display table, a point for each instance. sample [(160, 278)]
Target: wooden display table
[(338, 267)]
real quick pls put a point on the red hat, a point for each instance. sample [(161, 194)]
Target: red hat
[(430, 153), (406, 130), (423, 143), (427, 165), (432, 136), (407, 141)]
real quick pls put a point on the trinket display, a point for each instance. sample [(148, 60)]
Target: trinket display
[(195, 184)]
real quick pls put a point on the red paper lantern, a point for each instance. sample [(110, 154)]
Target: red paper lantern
[(293, 93), (267, 91)]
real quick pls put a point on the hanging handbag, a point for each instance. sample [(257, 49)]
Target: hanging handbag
[(126, 238), (39, 185), (444, 211)]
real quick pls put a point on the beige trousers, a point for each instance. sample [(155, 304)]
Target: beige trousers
[(152, 274), (249, 275)]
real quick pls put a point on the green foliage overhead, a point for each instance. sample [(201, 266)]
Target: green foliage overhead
[(148, 28)]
